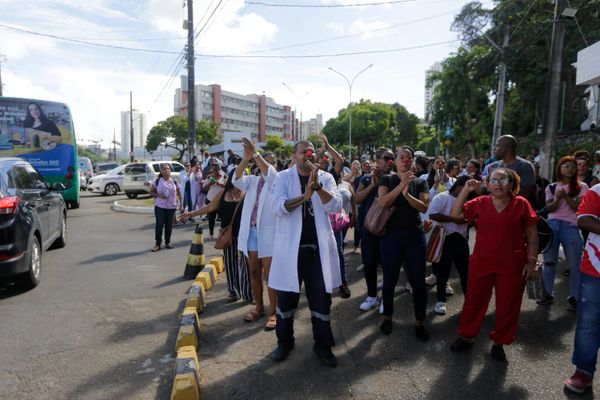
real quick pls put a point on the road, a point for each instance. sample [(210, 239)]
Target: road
[(103, 321), (102, 325)]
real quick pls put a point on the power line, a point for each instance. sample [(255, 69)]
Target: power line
[(533, 2), (579, 27), (85, 41), (381, 3), (205, 23)]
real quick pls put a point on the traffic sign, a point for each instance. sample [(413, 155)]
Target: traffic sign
[(448, 142)]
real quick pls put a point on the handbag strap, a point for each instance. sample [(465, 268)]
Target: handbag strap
[(236, 209)]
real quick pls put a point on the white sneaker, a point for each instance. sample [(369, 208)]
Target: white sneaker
[(431, 280), (408, 287), (381, 308), (369, 303), (440, 308), (449, 290)]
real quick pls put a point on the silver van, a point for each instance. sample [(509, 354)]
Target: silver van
[(139, 173)]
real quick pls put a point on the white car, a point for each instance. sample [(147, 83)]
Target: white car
[(82, 180), (108, 184), (137, 176)]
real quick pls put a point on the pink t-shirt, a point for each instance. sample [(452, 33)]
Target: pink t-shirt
[(167, 191), (564, 211)]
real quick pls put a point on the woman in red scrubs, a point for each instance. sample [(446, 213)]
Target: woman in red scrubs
[(504, 256)]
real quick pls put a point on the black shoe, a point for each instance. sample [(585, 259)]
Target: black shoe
[(498, 353), (567, 272), (345, 292), (281, 352), (460, 345), (547, 300), (326, 356), (168, 246), (421, 333), (386, 326), (572, 304)]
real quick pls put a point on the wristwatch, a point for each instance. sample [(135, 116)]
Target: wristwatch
[(318, 186)]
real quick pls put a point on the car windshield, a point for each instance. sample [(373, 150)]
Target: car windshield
[(115, 171)]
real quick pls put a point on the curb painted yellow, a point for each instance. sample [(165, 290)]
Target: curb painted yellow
[(212, 270), (186, 385), (193, 300), (190, 317), (186, 337), (218, 261), (205, 279)]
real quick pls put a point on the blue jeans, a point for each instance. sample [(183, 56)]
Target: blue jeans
[(587, 332), (187, 200), (569, 236), (339, 239)]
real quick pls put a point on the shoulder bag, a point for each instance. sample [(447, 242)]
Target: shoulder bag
[(377, 218), (225, 238)]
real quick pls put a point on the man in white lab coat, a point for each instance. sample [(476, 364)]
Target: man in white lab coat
[(302, 197)]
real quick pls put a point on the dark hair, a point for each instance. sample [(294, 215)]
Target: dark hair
[(229, 182), (306, 143), (574, 188), (422, 162), (451, 164), (379, 152), (431, 176), (405, 148), (460, 181), (268, 153), (476, 164), (29, 120)]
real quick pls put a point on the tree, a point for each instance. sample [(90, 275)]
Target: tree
[(276, 144), (173, 133)]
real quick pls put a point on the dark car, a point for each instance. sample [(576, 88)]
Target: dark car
[(33, 218)]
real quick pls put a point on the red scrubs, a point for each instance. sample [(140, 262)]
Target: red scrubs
[(497, 262)]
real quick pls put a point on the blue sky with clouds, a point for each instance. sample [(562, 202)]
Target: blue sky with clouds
[(95, 81)]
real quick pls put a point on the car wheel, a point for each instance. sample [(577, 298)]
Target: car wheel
[(131, 195), (31, 278), (111, 189), (62, 239)]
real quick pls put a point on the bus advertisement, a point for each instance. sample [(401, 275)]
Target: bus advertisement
[(41, 132)]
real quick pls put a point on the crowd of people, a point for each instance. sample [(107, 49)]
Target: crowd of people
[(289, 219)]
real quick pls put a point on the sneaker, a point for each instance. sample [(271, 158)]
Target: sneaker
[(281, 352), (345, 292), (408, 287), (386, 326), (431, 280), (360, 267), (326, 356), (579, 382), (369, 303), (498, 353), (460, 345), (381, 308), (547, 300), (421, 333), (449, 290), (571, 304), (440, 308)]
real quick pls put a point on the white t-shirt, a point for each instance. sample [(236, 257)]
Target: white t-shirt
[(442, 204)]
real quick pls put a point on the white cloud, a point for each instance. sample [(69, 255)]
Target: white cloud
[(366, 29)]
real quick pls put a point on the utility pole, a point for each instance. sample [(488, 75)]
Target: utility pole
[(191, 80), (114, 143), (2, 59), (550, 125), (497, 132), (131, 125)]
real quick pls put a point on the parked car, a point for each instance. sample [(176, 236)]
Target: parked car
[(33, 218), (82, 180), (108, 184), (138, 174), (85, 165), (104, 167)]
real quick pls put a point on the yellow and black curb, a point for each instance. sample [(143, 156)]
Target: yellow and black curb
[(186, 383), (195, 260)]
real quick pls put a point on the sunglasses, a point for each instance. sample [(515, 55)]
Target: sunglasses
[(501, 181), (387, 158)]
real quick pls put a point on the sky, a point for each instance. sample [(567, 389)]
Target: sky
[(118, 46)]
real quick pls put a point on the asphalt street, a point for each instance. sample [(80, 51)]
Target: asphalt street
[(102, 325)]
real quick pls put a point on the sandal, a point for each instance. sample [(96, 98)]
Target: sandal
[(156, 248), (232, 298), (253, 316), (271, 323)]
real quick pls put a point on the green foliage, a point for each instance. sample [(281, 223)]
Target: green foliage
[(95, 158), (461, 97), (173, 133), (276, 144), (373, 125)]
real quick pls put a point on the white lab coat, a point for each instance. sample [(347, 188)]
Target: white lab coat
[(284, 265), (265, 219)]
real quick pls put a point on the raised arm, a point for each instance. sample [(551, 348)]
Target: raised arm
[(457, 209)]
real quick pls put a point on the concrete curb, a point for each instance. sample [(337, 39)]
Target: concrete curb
[(186, 380), (130, 209)]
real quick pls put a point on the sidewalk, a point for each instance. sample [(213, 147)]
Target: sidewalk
[(235, 363)]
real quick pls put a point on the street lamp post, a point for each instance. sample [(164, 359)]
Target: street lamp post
[(350, 83), (298, 137)]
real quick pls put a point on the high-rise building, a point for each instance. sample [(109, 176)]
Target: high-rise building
[(139, 130), (254, 113), (436, 67), (313, 126)]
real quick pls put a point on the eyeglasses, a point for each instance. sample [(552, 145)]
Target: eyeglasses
[(501, 181), (387, 158)]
